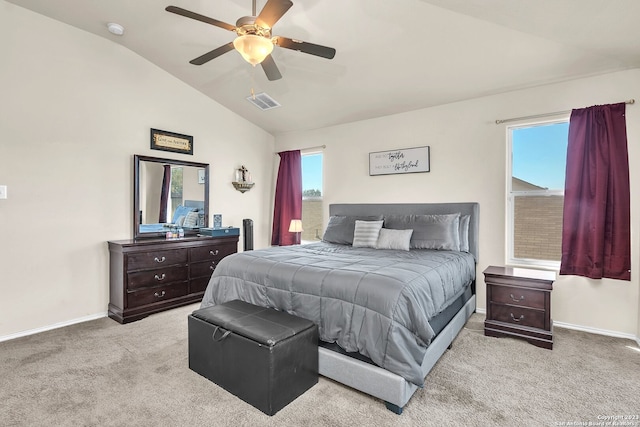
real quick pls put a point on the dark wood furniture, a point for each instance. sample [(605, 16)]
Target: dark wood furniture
[(519, 304), (152, 275)]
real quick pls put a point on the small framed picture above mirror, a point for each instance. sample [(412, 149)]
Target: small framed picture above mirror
[(171, 141)]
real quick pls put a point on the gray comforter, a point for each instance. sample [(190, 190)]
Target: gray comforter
[(375, 302)]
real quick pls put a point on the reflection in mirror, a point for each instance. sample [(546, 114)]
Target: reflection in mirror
[(168, 194)]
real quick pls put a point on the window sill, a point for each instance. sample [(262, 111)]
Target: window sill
[(536, 264)]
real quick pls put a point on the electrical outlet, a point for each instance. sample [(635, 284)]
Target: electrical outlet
[(3, 191)]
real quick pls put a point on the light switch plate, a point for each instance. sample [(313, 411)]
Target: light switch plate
[(3, 191)]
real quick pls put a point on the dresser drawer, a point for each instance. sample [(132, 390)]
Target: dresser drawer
[(202, 269), (157, 294), (144, 260), (211, 253), (157, 277), (199, 284), (518, 296), (518, 315)]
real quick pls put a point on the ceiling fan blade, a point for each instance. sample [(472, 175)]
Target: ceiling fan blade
[(270, 68), (305, 47), (213, 54), (272, 12), (201, 18)]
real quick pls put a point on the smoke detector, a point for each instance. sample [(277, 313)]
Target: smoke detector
[(116, 29)]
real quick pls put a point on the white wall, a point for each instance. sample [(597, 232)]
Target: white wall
[(74, 110), (468, 163)]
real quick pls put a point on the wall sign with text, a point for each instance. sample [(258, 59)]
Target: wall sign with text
[(405, 160), (169, 141)]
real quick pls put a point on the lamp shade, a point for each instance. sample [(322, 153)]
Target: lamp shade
[(295, 226), (253, 48)]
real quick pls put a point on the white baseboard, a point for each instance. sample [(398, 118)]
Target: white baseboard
[(595, 331), (54, 326), (478, 310), (585, 329)]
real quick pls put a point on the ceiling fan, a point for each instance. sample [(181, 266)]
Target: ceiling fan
[(255, 41)]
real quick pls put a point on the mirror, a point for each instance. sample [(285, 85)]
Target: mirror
[(169, 193)]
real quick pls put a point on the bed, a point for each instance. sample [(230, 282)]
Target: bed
[(385, 315)]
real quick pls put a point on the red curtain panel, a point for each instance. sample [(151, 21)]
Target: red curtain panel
[(164, 196), (596, 241), (288, 200)]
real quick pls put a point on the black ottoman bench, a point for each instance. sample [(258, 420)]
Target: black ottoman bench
[(264, 356)]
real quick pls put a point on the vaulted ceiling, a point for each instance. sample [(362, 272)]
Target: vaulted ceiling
[(392, 56)]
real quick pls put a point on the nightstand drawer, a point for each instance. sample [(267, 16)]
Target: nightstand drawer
[(518, 296), (518, 315)]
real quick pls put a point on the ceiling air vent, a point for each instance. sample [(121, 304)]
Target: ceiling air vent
[(263, 101)]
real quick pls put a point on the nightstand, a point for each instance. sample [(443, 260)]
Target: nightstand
[(519, 304)]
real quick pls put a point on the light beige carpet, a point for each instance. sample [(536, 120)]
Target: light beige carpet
[(101, 373)]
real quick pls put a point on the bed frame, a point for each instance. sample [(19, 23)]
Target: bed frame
[(394, 390)]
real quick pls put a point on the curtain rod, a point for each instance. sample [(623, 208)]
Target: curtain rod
[(630, 101), (317, 147)]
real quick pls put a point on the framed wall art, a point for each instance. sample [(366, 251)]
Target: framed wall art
[(170, 141), (404, 160)]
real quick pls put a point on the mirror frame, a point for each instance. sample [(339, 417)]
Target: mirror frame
[(136, 193)]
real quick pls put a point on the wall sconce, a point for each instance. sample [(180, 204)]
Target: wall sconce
[(296, 227), (243, 180)]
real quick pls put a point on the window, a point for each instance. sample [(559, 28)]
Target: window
[(312, 212), (536, 192)]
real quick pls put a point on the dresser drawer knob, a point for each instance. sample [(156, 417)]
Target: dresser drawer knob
[(159, 260), (214, 253), (161, 277), (159, 294), (517, 299), (518, 319), (212, 266)]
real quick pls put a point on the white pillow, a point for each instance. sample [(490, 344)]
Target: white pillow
[(365, 234), (394, 239)]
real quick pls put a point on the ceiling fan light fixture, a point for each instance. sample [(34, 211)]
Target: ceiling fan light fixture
[(254, 49)]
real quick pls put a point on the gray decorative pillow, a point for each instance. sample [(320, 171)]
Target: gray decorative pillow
[(191, 220), (394, 239), (429, 231), (366, 233), (340, 229), (464, 233)]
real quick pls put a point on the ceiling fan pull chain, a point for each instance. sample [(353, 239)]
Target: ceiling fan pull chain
[(253, 81)]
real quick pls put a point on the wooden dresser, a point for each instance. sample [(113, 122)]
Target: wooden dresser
[(519, 304), (151, 275)]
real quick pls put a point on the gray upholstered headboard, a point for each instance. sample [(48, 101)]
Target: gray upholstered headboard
[(467, 208), (194, 204)]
